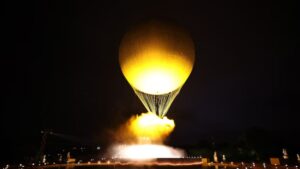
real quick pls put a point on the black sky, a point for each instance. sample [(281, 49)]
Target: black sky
[(60, 68)]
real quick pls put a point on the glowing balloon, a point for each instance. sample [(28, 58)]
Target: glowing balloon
[(156, 59)]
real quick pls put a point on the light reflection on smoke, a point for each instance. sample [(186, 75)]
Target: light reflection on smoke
[(142, 152)]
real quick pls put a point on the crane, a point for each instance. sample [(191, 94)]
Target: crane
[(45, 134)]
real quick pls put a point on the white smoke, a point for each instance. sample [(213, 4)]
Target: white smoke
[(141, 152)]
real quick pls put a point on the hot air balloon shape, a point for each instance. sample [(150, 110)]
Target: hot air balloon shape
[(156, 59)]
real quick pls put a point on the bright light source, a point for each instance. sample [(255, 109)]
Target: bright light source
[(149, 128), (156, 58), (147, 152)]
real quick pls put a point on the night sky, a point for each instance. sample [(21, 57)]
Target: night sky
[(60, 70)]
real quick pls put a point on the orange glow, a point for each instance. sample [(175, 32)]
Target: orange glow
[(148, 127), (156, 58)]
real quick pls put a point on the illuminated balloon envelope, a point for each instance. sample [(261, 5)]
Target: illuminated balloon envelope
[(156, 59)]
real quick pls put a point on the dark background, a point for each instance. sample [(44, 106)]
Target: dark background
[(60, 70)]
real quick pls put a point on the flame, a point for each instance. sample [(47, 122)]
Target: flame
[(148, 127), (142, 138)]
